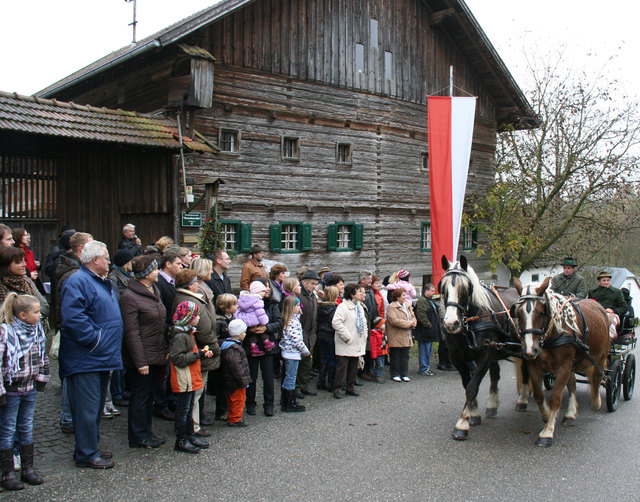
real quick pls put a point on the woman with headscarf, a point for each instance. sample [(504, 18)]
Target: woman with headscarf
[(144, 348)]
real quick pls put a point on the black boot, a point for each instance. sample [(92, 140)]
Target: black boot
[(183, 443), (331, 376), (284, 393), (28, 474), (9, 479), (322, 377), (292, 403), (193, 439)]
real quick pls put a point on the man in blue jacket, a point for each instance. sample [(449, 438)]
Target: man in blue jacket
[(90, 347)]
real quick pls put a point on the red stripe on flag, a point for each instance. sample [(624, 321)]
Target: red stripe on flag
[(440, 188)]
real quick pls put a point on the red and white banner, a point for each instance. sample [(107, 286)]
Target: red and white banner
[(450, 133)]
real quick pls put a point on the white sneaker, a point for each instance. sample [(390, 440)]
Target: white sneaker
[(406, 379), (17, 464), (397, 379)]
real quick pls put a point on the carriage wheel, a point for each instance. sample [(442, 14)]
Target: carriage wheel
[(629, 377), (549, 380), (613, 385)]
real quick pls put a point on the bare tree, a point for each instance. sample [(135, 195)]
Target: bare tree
[(573, 172)]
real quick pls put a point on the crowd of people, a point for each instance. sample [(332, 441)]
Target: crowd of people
[(159, 329)]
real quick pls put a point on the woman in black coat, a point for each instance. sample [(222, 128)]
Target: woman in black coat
[(265, 362), (144, 348), (326, 338)]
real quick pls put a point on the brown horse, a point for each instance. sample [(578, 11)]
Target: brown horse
[(561, 336)]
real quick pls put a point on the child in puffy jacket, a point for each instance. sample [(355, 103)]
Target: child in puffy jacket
[(251, 311), (402, 282), (293, 349)]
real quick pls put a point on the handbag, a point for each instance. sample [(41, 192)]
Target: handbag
[(55, 346)]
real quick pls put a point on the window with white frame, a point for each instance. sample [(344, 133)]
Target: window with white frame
[(425, 240), (344, 236), (229, 141), (289, 240), (290, 148), (469, 238), (229, 233)]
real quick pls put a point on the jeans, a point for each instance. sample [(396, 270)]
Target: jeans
[(65, 412), (184, 408), (87, 394), (141, 401), (291, 370), (16, 418), (424, 356), (378, 366), (266, 368)]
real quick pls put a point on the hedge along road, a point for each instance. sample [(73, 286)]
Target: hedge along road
[(393, 442)]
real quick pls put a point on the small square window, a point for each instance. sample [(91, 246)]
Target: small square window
[(424, 161), (344, 236), (229, 141), (229, 233), (535, 277), (235, 236), (291, 148), (343, 153), (425, 238), (289, 241)]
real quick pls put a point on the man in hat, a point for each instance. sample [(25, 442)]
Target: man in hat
[(308, 319), (611, 299), (253, 268), (569, 282)]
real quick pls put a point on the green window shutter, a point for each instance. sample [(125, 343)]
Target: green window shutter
[(305, 244), (243, 244), (332, 238), (275, 238), (358, 236)]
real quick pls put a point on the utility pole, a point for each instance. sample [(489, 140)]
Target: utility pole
[(134, 22)]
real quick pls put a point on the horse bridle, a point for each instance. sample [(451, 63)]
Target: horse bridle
[(463, 309), (543, 334)]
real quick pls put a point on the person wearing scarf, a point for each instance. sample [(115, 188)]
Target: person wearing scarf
[(14, 278), (350, 325), (24, 368)]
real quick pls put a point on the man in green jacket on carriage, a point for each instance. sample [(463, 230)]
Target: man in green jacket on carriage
[(611, 299), (569, 282)]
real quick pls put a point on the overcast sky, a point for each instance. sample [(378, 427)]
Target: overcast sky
[(42, 41)]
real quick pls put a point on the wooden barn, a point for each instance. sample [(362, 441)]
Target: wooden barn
[(319, 110), (93, 168)]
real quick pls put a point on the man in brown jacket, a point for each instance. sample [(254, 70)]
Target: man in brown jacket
[(308, 319), (253, 268)]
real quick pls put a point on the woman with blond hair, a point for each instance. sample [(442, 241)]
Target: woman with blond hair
[(163, 242)]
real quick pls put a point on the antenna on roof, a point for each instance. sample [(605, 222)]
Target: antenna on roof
[(134, 22)]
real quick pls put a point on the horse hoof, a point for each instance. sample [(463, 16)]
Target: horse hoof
[(460, 435), (475, 420), (521, 406), (568, 422), (492, 412), (544, 442)]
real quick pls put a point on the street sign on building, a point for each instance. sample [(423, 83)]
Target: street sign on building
[(192, 219)]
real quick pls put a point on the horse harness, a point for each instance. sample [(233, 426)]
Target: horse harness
[(473, 326), (570, 338)]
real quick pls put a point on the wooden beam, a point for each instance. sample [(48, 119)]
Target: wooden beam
[(438, 17)]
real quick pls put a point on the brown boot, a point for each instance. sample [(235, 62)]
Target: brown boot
[(28, 472), (9, 479)]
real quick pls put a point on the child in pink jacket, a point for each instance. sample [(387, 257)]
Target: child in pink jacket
[(251, 311), (403, 283)]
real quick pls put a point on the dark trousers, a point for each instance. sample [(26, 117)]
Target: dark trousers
[(304, 374), (328, 348), (87, 393), (443, 354), (399, 361), (184, 408), (216, 385), (346, 371), (118, 387), (265, 363), (159, 390), (141, 401)]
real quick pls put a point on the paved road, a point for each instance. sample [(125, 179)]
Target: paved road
[(391, 443)]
